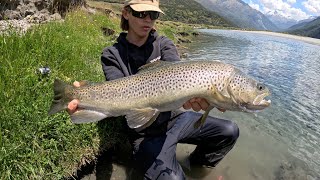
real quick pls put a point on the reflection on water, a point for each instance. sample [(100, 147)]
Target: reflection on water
[(290, 69)]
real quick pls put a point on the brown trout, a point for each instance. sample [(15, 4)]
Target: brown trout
[(162, 86)]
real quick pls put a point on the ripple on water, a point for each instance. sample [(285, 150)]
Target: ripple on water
[(290, 69)]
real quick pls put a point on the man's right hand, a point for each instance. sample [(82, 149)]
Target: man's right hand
[(73, 105)]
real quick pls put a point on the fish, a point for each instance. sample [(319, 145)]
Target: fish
[(159, 87)]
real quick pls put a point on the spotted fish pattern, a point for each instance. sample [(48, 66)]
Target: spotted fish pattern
[(163, 86)]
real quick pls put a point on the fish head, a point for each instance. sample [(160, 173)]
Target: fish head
[(248, 93)]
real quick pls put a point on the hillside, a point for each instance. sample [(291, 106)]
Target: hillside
[(239, 13), (187, 11), (311, 29)]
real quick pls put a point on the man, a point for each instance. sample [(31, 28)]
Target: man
[(154, 147)]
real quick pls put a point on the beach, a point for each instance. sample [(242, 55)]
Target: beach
[(289, 36)]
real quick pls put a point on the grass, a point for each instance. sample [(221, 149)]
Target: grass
[(34, 145)]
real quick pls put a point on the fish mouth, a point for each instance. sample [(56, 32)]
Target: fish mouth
[(257, 105), (260, 101)]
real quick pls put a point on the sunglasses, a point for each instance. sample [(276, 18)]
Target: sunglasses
[(142, 14)]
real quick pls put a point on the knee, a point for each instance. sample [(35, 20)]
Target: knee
[(231, 131)]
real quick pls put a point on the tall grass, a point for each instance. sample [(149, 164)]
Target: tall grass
[(32, 144)]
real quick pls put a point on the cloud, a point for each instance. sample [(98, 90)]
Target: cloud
[(284, 8), (291, 1), (313, 6), (275, 4), (254, 6)]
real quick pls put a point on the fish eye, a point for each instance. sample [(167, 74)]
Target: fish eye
[(260, 87)]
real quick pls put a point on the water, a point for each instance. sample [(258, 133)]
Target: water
[(282, 141)]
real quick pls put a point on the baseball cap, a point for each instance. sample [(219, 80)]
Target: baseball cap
[(144, 5)]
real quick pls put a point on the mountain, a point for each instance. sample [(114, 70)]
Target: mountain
[(311, 29), (280, 20), (187, 11), (301, 23), (190, 11), (240, 14), (283, 22)]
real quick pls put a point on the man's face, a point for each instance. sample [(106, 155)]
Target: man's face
[(140, 23)]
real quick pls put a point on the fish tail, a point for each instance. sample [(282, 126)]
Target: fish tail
[(60, 99)]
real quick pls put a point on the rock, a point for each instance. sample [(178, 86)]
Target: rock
[(19, 9), (33, 12), (55, 17), (40, 4), (181, 40), (22, 9), (108, 12), (183, 34), (30, 9), (184, 55), (89, 10), (107, 31), (11, 14), (111, 13), (195, 34)]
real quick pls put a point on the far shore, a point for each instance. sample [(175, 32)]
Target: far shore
[(299, 38)]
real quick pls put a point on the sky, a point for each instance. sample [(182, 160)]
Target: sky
[(292, 9)]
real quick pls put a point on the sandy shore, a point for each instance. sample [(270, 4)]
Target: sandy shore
[(289, 36)]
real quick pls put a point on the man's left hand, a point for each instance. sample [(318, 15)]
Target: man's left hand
[(198, 104)]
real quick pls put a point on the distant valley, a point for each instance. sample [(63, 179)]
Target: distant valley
[(311, 29), (234, 14), (240, 14)]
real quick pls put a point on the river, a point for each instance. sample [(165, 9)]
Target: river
[(281, 142)]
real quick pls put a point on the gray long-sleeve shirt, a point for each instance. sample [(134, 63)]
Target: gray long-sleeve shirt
[(124, 59)]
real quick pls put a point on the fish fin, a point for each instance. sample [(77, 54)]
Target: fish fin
[(60, 100), (203, 118), (234, 99), (148, 123), (153, 65), (140, 117), (87, 116), (225, 92), (220, 95)]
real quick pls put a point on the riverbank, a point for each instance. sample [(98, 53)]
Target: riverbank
[(247, 160), (263, 150), (34, 145), (289, 36)]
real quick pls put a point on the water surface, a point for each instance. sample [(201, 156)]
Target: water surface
[(282, 142)]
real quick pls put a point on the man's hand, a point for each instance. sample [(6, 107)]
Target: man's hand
[(198, 104), (73, 105)]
